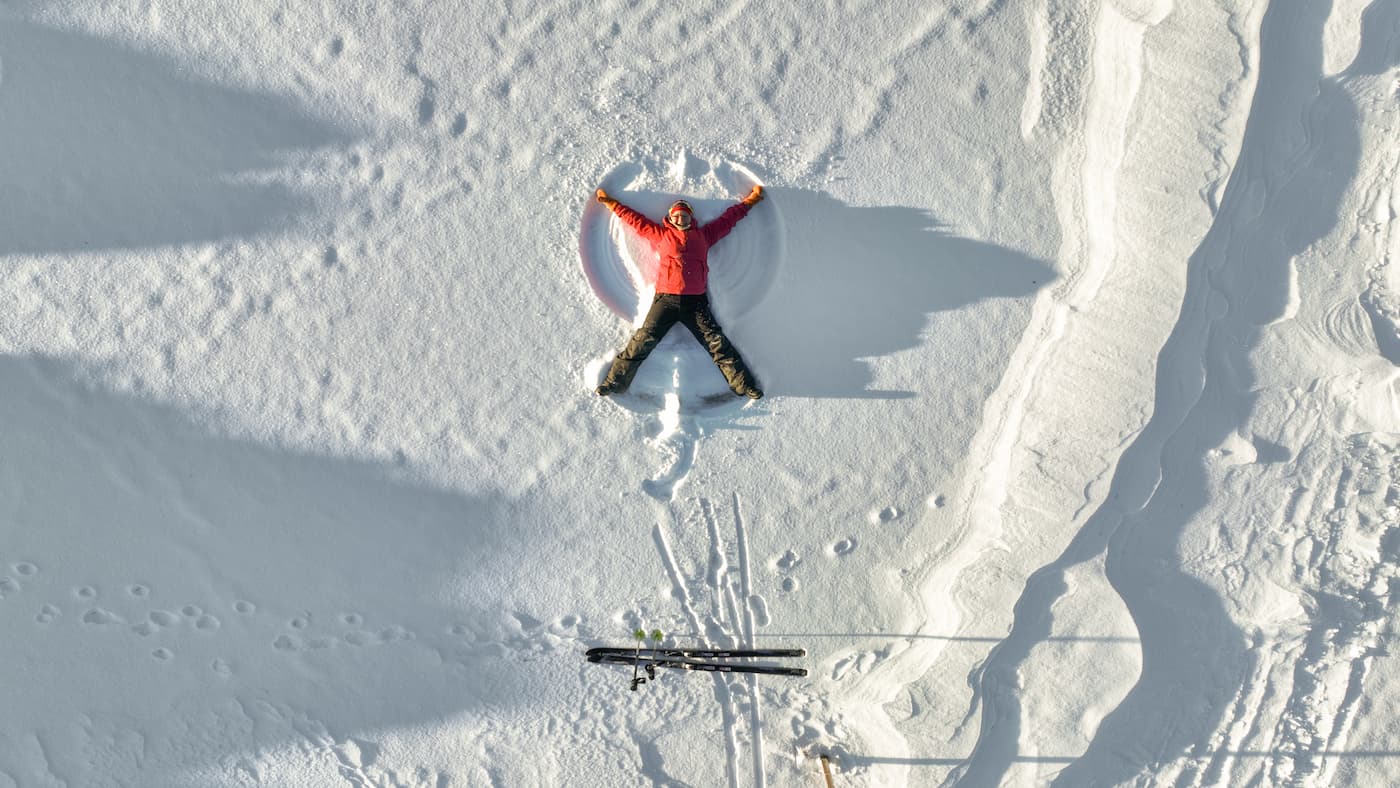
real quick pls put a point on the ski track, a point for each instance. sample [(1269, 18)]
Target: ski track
[(711, 581)]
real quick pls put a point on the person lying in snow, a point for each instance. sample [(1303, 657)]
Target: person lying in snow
[(681, 278)]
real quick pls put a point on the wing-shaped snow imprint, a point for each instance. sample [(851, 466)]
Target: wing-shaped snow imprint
[(621, 268), (679, 382)]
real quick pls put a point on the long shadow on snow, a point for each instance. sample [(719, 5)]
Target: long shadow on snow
[(107, 148), (854, 284), (319, 590), (1302, 140), (859, 283)]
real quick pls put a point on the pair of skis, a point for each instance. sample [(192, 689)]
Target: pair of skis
[(711, 660)]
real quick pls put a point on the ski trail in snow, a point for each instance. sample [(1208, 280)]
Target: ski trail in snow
[(678, 583), (701, 575), (710, 579), (741, 541)]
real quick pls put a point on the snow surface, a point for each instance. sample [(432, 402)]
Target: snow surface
[(1079, 322)]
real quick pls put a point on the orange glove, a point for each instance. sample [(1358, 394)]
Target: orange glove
[(754, 197), (606, 200)]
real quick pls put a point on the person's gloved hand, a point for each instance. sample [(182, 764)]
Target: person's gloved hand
[(605, 199), (754, 197)]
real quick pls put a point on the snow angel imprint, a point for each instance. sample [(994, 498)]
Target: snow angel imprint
[(681, 297)]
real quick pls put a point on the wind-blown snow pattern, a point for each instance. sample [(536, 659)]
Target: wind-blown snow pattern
[(1078, 323)]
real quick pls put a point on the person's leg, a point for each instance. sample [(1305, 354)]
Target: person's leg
[(662, 315), (701, 322)]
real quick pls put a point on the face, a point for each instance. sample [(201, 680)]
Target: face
[(681, 218)]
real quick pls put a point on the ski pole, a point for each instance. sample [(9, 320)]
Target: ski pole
[(639, 635)]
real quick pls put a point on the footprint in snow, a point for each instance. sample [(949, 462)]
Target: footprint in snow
[(163, 618), (358, 638), (858, 663), (98, 617), (11, 585), (844, 547), (885, 515)]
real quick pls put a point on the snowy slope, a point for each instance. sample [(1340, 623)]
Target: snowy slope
[(1077, 320)]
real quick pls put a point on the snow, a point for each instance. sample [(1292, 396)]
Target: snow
[(1078, 324)]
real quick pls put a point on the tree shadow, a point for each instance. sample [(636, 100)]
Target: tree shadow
[(108, 148), (858, 283), (161, 579)]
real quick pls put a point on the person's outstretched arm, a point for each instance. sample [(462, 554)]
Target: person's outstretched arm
[(644, 226), (720, 227)]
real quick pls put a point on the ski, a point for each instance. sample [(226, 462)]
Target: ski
[(703, 653), (651, 663)]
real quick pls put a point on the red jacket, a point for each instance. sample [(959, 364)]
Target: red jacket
[(684, 267)]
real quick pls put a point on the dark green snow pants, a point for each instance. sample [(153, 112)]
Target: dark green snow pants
[(692, 311)]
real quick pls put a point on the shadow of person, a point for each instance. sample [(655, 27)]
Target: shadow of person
[(107, 148), (858, 283)]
